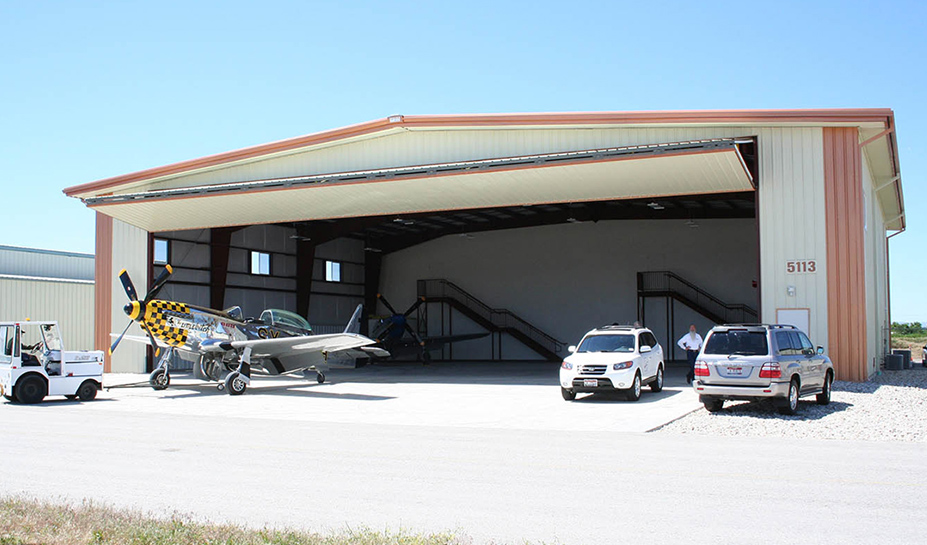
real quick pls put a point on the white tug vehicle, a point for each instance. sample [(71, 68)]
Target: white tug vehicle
[(34, 364)]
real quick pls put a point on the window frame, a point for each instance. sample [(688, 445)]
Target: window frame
[(154, 251), (332, 266), (270, 264)]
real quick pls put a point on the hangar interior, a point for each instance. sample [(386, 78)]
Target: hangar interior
[(534, 277)]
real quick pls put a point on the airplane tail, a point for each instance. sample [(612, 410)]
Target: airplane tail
[(355, 322)]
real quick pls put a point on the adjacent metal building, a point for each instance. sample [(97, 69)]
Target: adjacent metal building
[(49, 285), (536, 227)]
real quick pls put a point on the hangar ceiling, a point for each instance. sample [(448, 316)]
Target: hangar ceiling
[(390, 233)]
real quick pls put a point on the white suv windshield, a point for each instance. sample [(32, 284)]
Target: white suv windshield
[(737, 341), (607, 343)]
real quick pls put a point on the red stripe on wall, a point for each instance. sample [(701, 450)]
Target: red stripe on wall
[(846, 258), (103, 289)]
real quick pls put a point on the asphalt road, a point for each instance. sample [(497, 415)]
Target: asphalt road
[(494, 483)]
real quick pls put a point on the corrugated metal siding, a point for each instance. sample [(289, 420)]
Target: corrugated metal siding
[(130, 252), (418, 147), (45, 263), (877, 318), (69, 303), (846, 255), (792, 224)]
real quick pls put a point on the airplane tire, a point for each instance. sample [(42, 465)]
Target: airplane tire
[(234, 385), (321, 378), (159, 379)]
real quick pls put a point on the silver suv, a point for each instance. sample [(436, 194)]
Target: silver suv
[(751, 361)]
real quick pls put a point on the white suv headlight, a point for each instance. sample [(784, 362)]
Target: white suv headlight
[(566, 365), (623, 365)]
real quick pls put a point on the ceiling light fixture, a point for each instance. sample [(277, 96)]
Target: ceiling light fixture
[(655, 205)]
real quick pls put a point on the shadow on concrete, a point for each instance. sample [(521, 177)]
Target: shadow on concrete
[(619, 397), (298, 388), (767, 409), (495, 373)]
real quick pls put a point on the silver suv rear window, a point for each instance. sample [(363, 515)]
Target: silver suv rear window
[(737, 341)]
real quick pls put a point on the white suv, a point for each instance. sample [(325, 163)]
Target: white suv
[(613, 358)]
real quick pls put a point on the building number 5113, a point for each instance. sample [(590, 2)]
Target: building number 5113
[(803, 266)]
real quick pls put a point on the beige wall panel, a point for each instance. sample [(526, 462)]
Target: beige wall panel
[(130, 252), (69, 303), (792, 224)]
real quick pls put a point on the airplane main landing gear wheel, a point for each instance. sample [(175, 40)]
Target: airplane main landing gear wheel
[(234, 384), (320, 377), (159, 379)]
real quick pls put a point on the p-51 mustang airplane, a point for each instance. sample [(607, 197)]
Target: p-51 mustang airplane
[(227, 344)]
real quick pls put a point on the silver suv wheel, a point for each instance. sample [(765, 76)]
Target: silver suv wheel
[(790, 404)]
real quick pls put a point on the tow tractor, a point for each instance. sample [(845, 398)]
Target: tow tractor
[(34, 364)]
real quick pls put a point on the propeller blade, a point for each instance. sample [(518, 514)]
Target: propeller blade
[(159, 283), (386, 304), (127, 285), (154, 343), (415, 306), (414, 334), (116, 343)]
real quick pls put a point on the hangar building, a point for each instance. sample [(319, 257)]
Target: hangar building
[(533, 228)]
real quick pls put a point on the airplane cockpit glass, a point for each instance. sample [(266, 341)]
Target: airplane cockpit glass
[(234, 313), (275, 316)]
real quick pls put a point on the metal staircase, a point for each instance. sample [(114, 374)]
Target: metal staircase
[(670, 285), (492, 319)]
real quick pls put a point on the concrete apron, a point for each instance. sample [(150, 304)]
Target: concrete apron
[(508, 395)]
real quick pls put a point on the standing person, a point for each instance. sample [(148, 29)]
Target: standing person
[(691, 342)]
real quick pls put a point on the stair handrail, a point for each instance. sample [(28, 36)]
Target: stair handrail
[(647, 279), (500, 318)]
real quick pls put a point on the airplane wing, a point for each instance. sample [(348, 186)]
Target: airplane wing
[(447, 339), (290, 346)]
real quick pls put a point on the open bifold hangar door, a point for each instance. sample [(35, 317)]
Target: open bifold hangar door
[(698, 167)]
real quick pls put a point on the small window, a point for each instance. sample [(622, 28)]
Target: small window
[(805, 342), (332, 271), (162, 251), (260, 263)]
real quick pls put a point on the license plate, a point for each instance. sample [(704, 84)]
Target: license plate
[(590, 383), (735, 371)]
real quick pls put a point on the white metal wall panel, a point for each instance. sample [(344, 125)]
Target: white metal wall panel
[(877, 319), (130, 252), (70, 303), (792, 223), (45, 263)]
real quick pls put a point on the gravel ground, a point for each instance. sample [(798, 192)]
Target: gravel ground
[(890, 407)]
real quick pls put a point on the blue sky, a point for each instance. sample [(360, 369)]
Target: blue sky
[(97, 89)]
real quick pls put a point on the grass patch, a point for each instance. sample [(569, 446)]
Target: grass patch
[(915, 343), (32, 522)]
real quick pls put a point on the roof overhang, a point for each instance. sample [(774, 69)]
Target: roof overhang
[(871, 122), (684, 168)]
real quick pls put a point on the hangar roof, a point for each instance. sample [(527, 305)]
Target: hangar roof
[(153, 204)]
